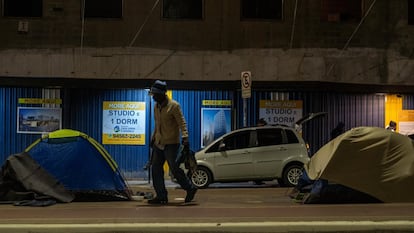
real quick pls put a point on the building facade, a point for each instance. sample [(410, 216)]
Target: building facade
[(302, 41)]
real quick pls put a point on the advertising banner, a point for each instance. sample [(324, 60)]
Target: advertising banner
[(406, 122), (281, 112), (123, 123), (38, 120), (214, 123)]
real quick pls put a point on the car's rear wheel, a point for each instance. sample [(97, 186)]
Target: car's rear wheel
[(291, 175), (201, 177)]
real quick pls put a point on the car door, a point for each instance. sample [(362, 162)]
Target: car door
[(234, 160), (270, 152)]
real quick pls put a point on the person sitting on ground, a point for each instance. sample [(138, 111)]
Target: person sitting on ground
[(392, 126)]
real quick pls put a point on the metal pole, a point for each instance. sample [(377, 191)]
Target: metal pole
[(150, 134), (244, 112), (293, 25)]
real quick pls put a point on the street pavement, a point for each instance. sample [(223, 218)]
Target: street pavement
[(243, 207)]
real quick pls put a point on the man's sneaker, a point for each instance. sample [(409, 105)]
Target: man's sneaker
[(158, 201), (190, 194)]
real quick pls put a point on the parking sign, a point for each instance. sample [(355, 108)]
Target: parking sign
[(246, 84)]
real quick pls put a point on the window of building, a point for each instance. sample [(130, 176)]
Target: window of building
[(341, 10), (23, 8), (103, 8), (182, 9), (410, 15), (262, 9)]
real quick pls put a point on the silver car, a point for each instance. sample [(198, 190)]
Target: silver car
[(252, 154)]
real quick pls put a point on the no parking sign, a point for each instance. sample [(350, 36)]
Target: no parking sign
[(246, 83)]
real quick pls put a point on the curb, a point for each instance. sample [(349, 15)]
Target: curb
[(316, 226)]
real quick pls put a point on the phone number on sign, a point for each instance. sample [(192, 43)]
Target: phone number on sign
[(126, 136)]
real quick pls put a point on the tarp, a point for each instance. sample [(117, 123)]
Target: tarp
[(21, 178), (81, 164), (371, 160)]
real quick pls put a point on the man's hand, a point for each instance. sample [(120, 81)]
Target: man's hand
[(185, 142)]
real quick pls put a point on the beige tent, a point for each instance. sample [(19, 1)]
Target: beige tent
[(372, 160)]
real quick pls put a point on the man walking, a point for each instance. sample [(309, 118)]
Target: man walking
[(165, 143)]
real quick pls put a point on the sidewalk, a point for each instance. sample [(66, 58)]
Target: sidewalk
[(217, 209)]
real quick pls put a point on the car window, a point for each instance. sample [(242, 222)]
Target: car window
[(214, 148), (234, 141), (291, 137), (268, 137), (238, 140)]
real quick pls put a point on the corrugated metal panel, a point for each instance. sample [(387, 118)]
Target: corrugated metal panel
[(253, 105), (191, 104), (352, 109), (12, 142), (408, 102), (83, 107), (82, 110)]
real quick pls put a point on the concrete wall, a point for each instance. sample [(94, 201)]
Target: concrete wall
[(215, 48)]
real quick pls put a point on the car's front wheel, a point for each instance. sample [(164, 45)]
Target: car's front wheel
[(201, 177), (291, 175)]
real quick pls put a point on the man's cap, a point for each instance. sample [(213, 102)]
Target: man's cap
[(159, 87)]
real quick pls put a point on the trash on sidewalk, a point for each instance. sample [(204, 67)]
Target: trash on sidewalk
[(145, 195)]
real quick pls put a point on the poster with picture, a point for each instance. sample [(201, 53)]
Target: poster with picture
[(214, 123), (38, 120)]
